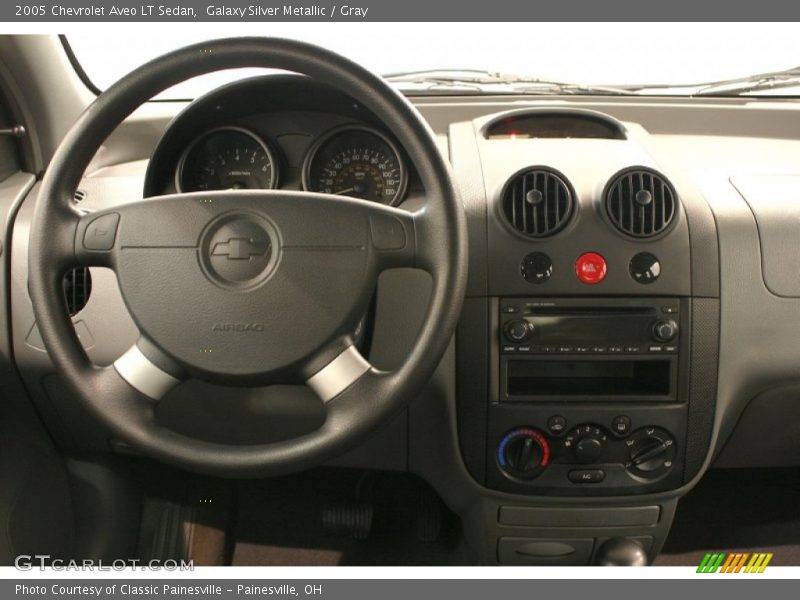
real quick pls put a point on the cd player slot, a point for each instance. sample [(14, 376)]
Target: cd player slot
[(578, 311)]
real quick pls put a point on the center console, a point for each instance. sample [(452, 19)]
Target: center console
[(588, 346)]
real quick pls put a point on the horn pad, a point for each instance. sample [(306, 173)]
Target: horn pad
[(245, 287)]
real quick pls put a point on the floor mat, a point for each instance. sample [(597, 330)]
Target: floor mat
[(749, 510), (279, 521)]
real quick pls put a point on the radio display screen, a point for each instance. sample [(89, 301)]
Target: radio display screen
[(590, 329)]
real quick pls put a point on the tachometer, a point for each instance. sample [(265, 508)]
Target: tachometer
[(356, 161), (226, 158)]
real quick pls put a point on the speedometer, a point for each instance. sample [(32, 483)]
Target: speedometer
[(356, 161), (224, 159)]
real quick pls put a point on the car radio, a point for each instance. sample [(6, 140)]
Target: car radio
[(575, 348)]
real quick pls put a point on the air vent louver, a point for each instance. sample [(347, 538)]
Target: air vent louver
[(537, 202), (641, 203), (79, 196), (77, 289)]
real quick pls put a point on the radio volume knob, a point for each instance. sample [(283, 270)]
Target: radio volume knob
[(664, 330), (518, 330)]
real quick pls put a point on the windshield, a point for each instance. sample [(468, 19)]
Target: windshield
[(541, 58)]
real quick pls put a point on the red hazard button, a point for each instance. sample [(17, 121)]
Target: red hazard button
[(591, 268)]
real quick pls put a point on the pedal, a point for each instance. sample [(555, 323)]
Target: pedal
[(348, 520), (429, 516)]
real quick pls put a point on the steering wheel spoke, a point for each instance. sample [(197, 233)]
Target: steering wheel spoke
[(150, 377), (339, 374)]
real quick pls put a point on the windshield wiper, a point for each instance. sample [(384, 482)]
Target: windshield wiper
[(487, 81), (754, 83)]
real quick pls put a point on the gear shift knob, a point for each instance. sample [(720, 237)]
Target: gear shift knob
[(621, 552)]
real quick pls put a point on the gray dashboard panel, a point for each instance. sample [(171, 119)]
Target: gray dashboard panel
[(758, 329), (775, 202)]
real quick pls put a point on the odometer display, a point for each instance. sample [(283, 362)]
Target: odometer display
[(358, 162), (229, 158)]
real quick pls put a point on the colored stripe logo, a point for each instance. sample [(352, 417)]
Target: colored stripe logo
[(737, 562)]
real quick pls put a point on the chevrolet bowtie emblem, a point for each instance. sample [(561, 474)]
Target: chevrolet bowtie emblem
[(240, 248)]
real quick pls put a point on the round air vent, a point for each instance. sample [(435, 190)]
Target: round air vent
[(77, 289), (537, 202), (640, 202)]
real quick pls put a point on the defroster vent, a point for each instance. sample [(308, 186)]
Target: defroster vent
[(538, 202), (641, 202)]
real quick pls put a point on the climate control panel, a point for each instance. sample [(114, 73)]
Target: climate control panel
[(584, 451), (648, 453)]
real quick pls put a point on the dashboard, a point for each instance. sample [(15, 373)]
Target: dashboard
[(607, 344)]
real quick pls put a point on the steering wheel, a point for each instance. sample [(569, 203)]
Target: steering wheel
[(250, 287)]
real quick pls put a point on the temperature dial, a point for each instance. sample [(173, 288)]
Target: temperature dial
[(587, 443), (651, 452), (523, 453)]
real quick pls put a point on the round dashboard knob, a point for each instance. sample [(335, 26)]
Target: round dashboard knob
[(587, 442), (536, 267), (644, 268), (518, 330), (651, 452), (523, 453), (664, 330), (589, 449)]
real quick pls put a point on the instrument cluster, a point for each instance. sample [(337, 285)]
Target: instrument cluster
[(352, 160)]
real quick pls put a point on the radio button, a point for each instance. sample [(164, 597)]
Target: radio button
[(599, 349), (656, 349), (582, 349), (565, 349), (615, 349), (591, 268), (632, 349), (524, 349), (670, 348), (510, 310), (509, 349)]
